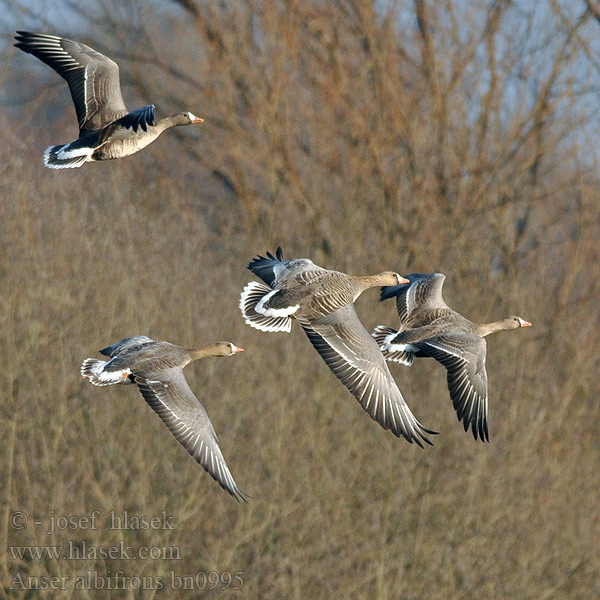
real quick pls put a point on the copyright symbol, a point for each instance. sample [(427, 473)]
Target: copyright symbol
[(18, 520)]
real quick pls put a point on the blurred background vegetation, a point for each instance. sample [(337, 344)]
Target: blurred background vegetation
[(452, 136)]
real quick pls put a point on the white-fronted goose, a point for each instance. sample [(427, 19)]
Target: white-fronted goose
[(322, 302), (157, 369), (107, 129), (429, 328)]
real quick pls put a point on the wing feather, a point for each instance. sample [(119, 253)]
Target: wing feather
[(93, 78), (354, 358), (170, 396), (463, 356)]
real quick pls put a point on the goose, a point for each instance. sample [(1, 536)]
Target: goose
[(156, 368), (107, 130), (322, 301), (429, 328)]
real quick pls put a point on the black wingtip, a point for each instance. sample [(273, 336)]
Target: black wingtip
[(21, 42), (278, 254), (141, 117), (430, 432), (24, 39), (241, 496), (422, 431), (413, 439), (256, 259), (148, 117), (484, 435), (479, 430), (417, 441), (390, 291), (264, 271)]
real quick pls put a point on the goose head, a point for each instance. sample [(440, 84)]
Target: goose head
[(186, 118), (226, 349), (514, 322), (391, 278)]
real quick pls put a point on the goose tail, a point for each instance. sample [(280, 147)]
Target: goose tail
[(65, 157), (384, 336), (95, 370), (252, 294)]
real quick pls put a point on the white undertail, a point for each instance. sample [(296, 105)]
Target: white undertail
[(251, 296)]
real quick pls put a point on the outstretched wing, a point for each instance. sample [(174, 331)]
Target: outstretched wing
[(169, 394), (130, 343), (463, 356), (355, 359), (93, 78), (423, 292)]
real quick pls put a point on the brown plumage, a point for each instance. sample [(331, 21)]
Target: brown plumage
[(157, 369), (107, 130), (322, 301), (429, 328)]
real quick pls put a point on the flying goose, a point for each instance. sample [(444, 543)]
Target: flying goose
[(157, 369), (107, 129), (322, 302), (429, 328)]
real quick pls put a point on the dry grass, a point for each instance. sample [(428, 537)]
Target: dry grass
[(325, 138)]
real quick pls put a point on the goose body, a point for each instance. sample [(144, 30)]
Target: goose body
[(322, 301), (107, 130), (430, 328), (156, 367)]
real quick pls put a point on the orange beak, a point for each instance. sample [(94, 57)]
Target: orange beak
[(524, 323), (235, 349), (195, 119)]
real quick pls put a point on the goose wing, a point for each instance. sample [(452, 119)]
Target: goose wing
[(170, 396), (130, 343), (136, 119), (463, 356), (269, 267), (276, 272), (355, 359), (423, 292), (93, 78)]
